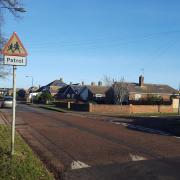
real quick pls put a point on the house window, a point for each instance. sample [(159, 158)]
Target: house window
[(137, 97)]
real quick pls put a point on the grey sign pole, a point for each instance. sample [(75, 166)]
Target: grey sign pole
[(14, 110)]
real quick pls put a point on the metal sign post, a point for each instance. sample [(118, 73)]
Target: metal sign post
[(14, 110), (15, 55)]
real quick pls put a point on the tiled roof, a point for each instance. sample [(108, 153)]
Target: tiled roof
[(98, 89), (57, 83), (43, 88), (77, 88), (150, 88)]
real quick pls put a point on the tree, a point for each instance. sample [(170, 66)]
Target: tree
[(108, 81), (121, 92), (15, 7), (45, 97), (21, 94)]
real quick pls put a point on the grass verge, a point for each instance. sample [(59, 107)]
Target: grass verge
[(146, 115), (24, 165), (53, 108)]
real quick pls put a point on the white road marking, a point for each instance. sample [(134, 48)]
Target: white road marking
[(137, 158), (177, 137), (78, 165)]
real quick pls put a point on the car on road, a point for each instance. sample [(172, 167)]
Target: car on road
[(7, 102)]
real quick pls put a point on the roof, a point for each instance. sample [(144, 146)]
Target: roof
[(76, 88), (98, 89), (150, 88), (57, 83)]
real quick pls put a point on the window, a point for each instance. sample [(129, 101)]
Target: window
[(137, 97)]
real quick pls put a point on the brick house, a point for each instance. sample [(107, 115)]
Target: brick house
[(52, 87), (141, 91)]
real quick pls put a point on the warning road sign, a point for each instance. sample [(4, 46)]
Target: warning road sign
[(14, 47)]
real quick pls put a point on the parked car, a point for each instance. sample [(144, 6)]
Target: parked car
[(7, 102)]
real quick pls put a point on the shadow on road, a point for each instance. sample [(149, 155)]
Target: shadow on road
[(156, 125)]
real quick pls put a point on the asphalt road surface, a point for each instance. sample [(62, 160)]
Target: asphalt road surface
[(81, 147)]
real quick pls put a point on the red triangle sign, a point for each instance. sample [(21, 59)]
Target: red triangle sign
[(14, 47)]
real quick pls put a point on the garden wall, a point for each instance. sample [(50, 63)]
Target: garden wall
[(124, 109)]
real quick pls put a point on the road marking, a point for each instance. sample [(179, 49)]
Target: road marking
[(177, 137), (137, 158), (78, 165)]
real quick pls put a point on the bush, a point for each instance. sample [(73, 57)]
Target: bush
[(45, 98), (155, 100)]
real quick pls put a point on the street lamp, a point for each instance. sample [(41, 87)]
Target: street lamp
[(32, 84)]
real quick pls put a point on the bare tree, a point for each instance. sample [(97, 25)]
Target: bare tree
[(15, 7), (121, 92), (108, 81)]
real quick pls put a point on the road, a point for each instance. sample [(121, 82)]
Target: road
[(80, 147)]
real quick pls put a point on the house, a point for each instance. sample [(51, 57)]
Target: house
[(52, 87), (70, 92), (96, 93), (141, 91), (4, 91)]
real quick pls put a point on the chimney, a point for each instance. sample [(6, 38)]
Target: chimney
[(92, 83), (82, 83), (100, 83), (70, 83), (61, 79), (141, 80)]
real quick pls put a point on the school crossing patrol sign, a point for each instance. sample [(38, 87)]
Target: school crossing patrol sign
[(14, 52), (15, 55)]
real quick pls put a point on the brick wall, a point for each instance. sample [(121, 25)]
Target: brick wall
[(126, 109)]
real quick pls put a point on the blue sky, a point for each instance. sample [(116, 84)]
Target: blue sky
[(84, 40)]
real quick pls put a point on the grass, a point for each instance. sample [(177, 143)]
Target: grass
[(53, 108), (24, 165)]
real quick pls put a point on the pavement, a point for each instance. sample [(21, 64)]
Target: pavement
[(2, 118)]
